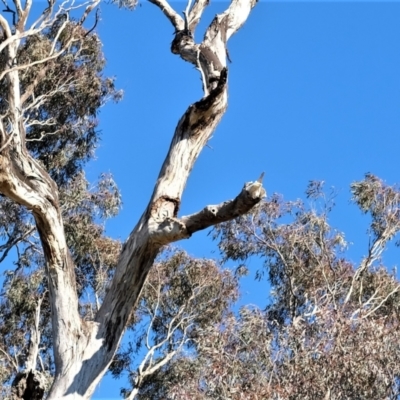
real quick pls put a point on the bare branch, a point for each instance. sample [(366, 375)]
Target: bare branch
[(395, 290), (28, 5), (16, 37), (6, 142), (18, 7), (14, 363), (175, 19), (251, 194), (88, 10), (11, 11), (6, 28), (374, 253), (51, 56), (34, 339), (230, 21), (195, 13), (5, 248)]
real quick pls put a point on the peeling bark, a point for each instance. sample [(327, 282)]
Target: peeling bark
[(84, 350)]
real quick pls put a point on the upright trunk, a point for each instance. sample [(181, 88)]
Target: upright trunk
[(83, 350)]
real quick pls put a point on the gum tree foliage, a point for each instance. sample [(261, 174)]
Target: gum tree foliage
[(73, 291), (182, 297), (331, 330), (331, 327), (61, 98)]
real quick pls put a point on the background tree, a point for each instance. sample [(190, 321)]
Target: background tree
[(331, 328), (181, 298), (46, 136), (61, 97)]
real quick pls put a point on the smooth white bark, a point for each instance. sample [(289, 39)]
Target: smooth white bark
[(84, 350)]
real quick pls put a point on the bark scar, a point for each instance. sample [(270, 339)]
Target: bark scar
[(160, 208), (208, 101)]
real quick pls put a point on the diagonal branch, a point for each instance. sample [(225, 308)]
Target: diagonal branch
[(251, 194), (175, 19), (5, 28), (159, 224), (13, 241), (18, 7), (195, 13)]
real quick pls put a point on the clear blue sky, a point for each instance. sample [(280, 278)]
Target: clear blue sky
[(314, 94)]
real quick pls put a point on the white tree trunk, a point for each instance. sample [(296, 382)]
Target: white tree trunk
[(84, 350)]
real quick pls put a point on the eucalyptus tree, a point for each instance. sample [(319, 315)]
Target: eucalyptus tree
[(331, 327), (52, 217)]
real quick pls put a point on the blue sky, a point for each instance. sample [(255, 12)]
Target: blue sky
[(314, 94)]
